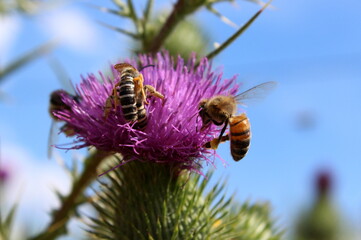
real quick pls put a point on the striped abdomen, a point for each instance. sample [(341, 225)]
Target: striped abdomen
[(142, 115), (127, 98), (240, 134)]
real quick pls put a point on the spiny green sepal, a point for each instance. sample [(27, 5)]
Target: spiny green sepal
[(152, 201)]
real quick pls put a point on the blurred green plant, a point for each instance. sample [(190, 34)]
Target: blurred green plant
[(6, 222), (25, 59), (321, 221), (25, 8), (174, 33), (187, 38), (20, 6), (150, 201), (76, 197)]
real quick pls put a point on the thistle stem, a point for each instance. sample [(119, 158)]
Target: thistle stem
[(62, 215), (174, 18)]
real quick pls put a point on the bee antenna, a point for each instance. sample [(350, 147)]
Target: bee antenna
[(150, 65)]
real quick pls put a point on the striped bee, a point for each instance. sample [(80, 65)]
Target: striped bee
[(130, 94), (221, 110)]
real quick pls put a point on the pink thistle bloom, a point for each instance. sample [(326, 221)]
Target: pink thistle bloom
[(172, 135)]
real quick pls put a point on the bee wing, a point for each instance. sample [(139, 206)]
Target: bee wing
[(255, 94), (51, 138)]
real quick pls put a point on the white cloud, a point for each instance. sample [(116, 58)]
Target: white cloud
[(32, 183), (72, 28)]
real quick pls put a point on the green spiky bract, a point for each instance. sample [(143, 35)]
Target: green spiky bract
[(152, 201)]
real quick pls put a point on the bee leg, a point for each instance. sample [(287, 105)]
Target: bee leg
[(139, 88), (114, 96), (223, 129), (108, 107), (215, 142), (109, 102), (152, 91), (225, 138)]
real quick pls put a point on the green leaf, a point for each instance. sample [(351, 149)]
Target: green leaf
[(120, 4), (221, 17), (238, 33), (148, 10), (25, 59), (121, 13), (120, 30)]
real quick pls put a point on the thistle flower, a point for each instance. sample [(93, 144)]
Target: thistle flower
[(172, 135), (323, 183)]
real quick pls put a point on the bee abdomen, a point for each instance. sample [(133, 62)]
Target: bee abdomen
[(239, 149), (127, 98), (142, 116), (240, 136), (129, 110)]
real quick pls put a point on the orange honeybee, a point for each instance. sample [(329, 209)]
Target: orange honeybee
[(221, 110)]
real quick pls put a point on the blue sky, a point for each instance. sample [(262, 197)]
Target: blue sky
[(312, 48)]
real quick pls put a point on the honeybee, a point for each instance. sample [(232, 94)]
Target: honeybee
[(221, 109), (57, 104), (240, 136), (130, 94)]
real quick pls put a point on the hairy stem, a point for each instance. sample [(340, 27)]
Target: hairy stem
[(62, 215)]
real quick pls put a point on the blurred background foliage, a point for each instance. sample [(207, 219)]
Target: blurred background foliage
[(322, 220), (28, 9), (180, 33), (196, 39)]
